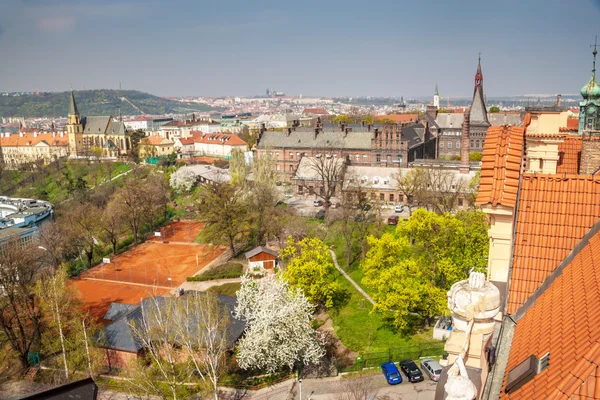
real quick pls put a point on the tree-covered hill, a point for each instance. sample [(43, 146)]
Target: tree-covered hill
[(92, 102)]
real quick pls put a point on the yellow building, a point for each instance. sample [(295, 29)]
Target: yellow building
[(99, 136)]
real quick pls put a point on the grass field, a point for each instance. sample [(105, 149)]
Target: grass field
[(227, 289)]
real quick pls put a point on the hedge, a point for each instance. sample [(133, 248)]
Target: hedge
[(202, 278)]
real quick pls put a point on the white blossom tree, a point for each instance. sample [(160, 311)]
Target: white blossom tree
[(183, 179), (278, 326)]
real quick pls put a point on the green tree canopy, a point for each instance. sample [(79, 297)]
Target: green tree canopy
[(345, 118), (474, 156), (494, 109), (411, 269), (309, 266)]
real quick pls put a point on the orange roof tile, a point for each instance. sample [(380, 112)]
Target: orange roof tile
[(563, 321), (555, 212), (219, 138), (157, 140), (501, 165), (29, 140), (398, 118), (569, 153)]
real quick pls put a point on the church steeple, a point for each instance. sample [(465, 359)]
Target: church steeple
[(478, 109), (589, 107), (72, 105), (436, 97)]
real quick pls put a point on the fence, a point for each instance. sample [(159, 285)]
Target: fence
[(374, 359)]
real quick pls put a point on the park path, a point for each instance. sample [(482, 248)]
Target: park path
[(365, 295), (204, 285)]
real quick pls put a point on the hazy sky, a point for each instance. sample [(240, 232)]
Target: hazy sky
[(329, 48)]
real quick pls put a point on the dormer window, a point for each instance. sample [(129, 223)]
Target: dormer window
[(526, 371)]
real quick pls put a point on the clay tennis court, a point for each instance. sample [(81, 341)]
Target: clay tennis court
[(98, 295), (180, 231), (157, 263)]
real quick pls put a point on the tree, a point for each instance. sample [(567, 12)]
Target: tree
[(182, 336), (412, 269), (136, 137), (494, 109), (266, 217), (20, 316), (238, 167), (132, 199), (309, 266), (328, 172), (342, 118), (359, 388), (443, 189), (368, 120), (474, 156), (473, 189), (221, 205), (413, 186), (112, 224), (278, 331), (54, 241), (81, 222)]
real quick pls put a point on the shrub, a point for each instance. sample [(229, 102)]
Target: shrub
[(202, 278)]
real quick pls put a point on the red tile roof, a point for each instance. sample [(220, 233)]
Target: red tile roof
[(29, 139), (501, 165), (555, 212), (186, 141), (563, 321), (398, 118), (157, 141), (219, 138), (317, 111), (569, 153)]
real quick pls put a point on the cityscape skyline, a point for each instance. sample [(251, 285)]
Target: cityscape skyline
[(204, 49)]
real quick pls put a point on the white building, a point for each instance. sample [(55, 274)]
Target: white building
[(217, 144)]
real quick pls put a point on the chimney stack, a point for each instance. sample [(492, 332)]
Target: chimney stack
[(558, 100), (375, 133), (369, 128), (289, 131), (346, 132), (316, 133), (362, 123), (465, 142)]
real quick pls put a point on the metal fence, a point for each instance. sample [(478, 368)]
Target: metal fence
[(374, 359)]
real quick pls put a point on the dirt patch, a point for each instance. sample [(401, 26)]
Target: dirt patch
[(20, 388), (97, 296), (180, 231)]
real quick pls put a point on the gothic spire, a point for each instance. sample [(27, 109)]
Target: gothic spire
[(72, 106), (436, 89), (478, 109)]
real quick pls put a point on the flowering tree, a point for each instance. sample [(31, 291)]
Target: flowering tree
[(183, 180), (278, 326)]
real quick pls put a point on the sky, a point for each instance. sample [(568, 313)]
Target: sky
[(314, 48)]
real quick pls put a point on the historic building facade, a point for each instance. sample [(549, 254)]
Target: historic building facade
[(589, 107), (103, 136)]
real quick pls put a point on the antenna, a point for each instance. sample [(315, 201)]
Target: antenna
[(594, 53)]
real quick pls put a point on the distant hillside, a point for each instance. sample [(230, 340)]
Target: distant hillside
[(93, 102)]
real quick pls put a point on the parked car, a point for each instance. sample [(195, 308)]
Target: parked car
[(366, 207), (412, 372), (320, 214), (393, 220), (399, 208), (327, 204), (391, 373), (432, 368), (318, 203), (368, 218)]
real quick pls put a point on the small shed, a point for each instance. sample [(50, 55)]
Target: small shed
[(261, 258)]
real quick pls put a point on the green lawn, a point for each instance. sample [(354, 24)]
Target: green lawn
[(227, 268), (363, 331), (227, 289)]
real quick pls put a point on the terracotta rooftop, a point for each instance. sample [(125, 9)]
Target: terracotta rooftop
[(555, 212), (501, 165), (563, 321), (29, 140), (318, 111), (186, 141), (157, 141), (569, 152), (399, 118), (219, 138)]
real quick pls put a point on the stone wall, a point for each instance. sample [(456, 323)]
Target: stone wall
[(590, 157)]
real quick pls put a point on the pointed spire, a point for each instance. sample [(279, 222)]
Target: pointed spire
[(72, 106), (478, 74), (478, 112), (436, 89), (595, 52)]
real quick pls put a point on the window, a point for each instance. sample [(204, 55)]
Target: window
[(441, 145), (391, 196), (400, 159), (389, 159), (299, 188), (365, 157), (378, 157), (449, 145), (291, 168), (381, 196), (298, 156), (460, 202), (458, 145), (358, 157), (321, 191), (472, 144), (291, 156), (277, 167)]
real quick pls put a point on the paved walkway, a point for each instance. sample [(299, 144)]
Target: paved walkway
[(204, 285), (365, 295)]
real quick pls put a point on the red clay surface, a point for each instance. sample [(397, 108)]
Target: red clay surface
[(98, 295), (180, 231), (156, 263)]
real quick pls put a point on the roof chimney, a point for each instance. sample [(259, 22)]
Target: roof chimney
[(558, 100), (346, 132), (369, 128), (316, 133), (375, 133), (465, 143), (289, 131)]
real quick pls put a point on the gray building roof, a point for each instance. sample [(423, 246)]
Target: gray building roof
[(455, 120), (305, 138), (95, 125), (414, 134), (72, 105), (505, 119), (258, 250), (450, 120), (118, 334), (478, 110)]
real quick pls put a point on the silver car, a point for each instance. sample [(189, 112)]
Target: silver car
[(432, 368)]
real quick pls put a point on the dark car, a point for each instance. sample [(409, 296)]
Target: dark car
[(391, 373), (393, 220), (318, 203), (369, 218), (320, 214), (412, 372)]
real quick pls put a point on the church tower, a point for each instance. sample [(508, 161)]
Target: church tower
[(589, 107), (436, 97), (74, 128), (479, 122)]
